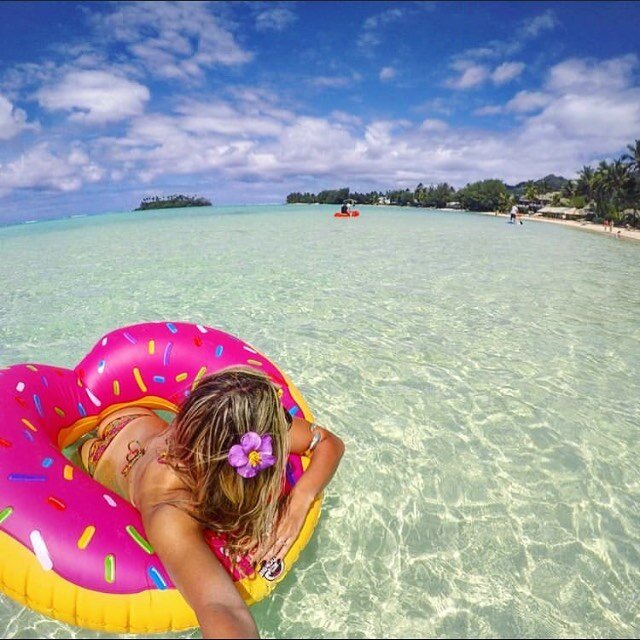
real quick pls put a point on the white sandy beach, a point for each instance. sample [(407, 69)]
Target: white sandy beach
[(618, 232)]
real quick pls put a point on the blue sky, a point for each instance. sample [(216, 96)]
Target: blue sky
[(102, 104)]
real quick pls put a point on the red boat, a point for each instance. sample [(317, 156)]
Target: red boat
[(352, 214)]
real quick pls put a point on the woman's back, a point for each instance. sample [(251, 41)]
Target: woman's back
[(128, 456)]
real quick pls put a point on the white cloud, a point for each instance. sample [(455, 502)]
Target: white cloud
[(527, 101), (373, 27), (40, 168), (528, 30), (557, 131), (506, 72), (546, 21), (584, 109), (587, 117), (387, 73), (471, 75), (588, 75), (345, 118), (12, 120), (384, 18), (95, 97), (172, 39), (222, 118), (275, 18), (433, 124)]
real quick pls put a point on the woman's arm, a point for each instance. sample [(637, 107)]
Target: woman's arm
[(327, 450), (196, 572)]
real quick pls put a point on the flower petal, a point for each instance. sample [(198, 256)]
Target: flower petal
[(266, 461), (265, 446), (250, 441), (237, 457), (247, 471)]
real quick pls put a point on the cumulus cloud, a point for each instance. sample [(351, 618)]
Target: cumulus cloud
[(561, 126), (95, 97), (258, 142), (589, 75), (41, 168), (172, 39), (12, 120), (588, 100)]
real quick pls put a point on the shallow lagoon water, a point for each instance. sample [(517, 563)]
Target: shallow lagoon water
[(484, 376)]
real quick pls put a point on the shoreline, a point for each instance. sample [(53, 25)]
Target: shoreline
[(619, 233)]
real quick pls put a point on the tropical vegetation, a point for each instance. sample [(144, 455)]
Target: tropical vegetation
[(611, 190), (172, 202)]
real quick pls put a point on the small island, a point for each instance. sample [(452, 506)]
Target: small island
[(172, 202)]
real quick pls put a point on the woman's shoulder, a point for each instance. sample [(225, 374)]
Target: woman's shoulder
[(158, 484)]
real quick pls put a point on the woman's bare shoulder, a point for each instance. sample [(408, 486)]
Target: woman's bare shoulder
[(157, 485)]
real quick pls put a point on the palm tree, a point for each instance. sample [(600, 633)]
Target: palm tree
[(601, 189), (632, 159), (584, 185), (505, 202), (620, 182)]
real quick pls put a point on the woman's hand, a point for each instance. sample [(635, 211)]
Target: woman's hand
[(288, 529)]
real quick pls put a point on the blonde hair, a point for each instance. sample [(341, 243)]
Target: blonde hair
[(220, 410)]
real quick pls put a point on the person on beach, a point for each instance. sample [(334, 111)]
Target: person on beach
[(195, 473), (514, 213)]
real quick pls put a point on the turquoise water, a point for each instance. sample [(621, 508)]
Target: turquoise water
[(485, 378)]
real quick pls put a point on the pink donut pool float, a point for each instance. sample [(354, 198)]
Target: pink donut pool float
[(69, 547)]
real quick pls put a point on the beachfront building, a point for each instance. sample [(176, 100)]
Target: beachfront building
[(562, 213)]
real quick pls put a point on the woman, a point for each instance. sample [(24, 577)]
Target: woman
[(218, 465)]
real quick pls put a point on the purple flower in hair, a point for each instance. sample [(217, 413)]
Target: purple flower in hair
[(253, 454)]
